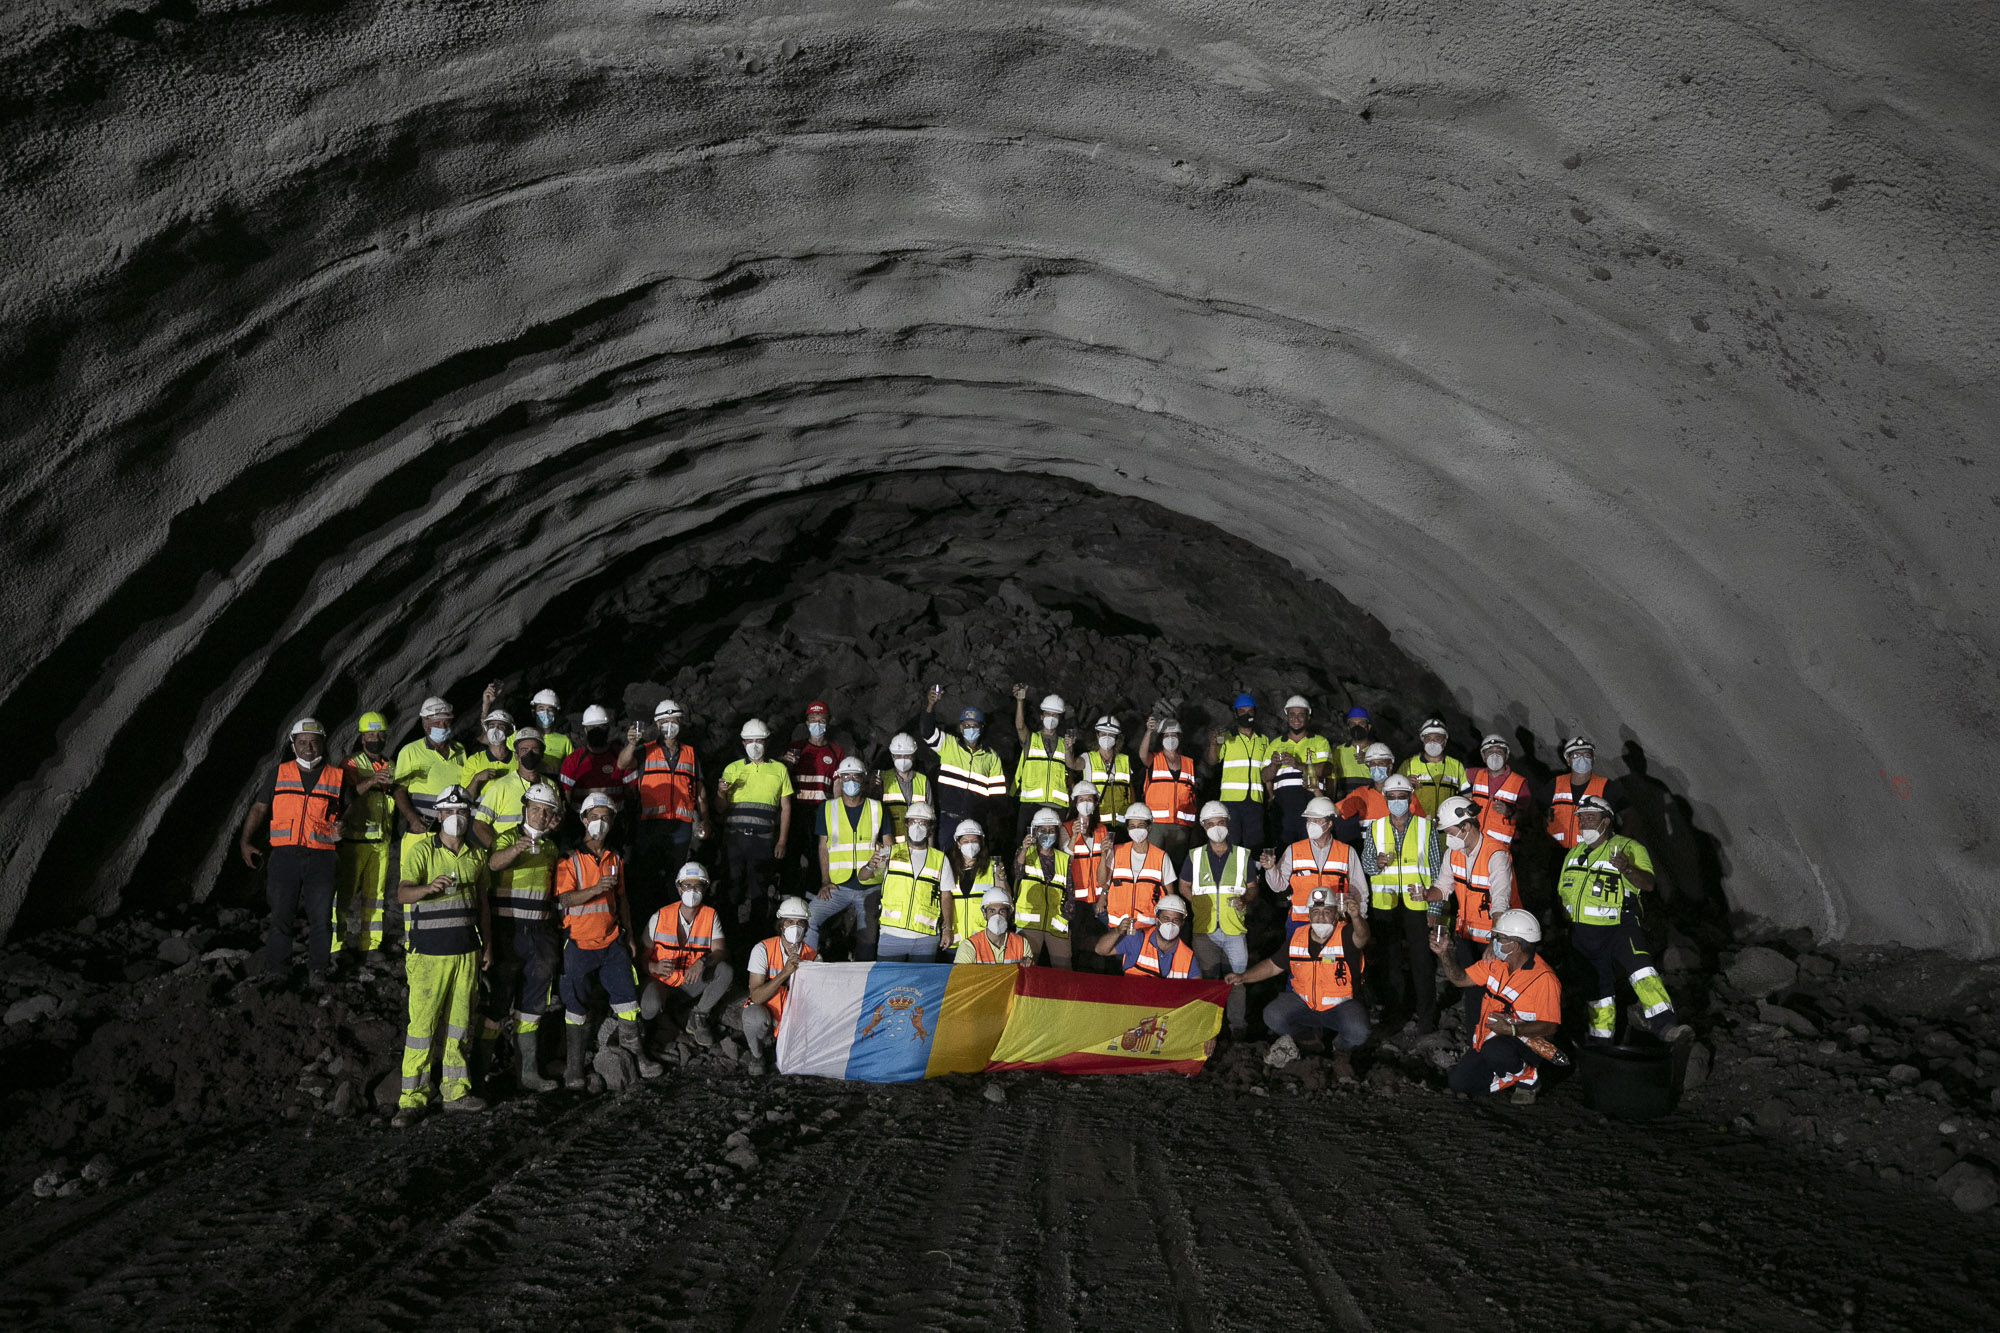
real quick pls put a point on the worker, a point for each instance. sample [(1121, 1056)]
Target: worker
[(914, 886), (684, 954), (299, 808), (1599, 886), (501, 800), (1324, 958), (1435, 773), (996, 943), (755, 795), (1474, 884), (812, 764), (527, 958), (597, 917), (1041, 878), (594, 770), (447, 911), (1169, 790), (853, 847), (673, 808), (1520, 1010), (1109, 769), (425, 767), (772, 966), (971, 783), (1365, 803), (1155, 951), (1220, 887), (1350, 758), (1316, 861), (901, 785), (1041, 774), (1135, 874), (1299, 769), (556, 744), (495, 756), (1241, 756), (1403, 854), (972, 870), (361, 870), (1085, 838), (1571, 787), (1498, 790)]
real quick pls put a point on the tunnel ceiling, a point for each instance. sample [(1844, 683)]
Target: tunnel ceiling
[(1630, 362)]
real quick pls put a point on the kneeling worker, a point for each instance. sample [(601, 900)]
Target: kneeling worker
[(996, 943), (1325, 957), (685, 954), (772, 964), (1158, 952), (1520, 1009)]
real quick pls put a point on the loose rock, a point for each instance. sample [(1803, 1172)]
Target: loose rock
[(1759, 971)]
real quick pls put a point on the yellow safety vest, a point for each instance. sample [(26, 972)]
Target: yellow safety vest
[(1041, 775), (1042, 903), (975, 772), (1212, 908), (893, 804), (1114, 785), (910, 890), (1242, 758), (966, 918), (850, 846), (1409, 872), (1434, 780)]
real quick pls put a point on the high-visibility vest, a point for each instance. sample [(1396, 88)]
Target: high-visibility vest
[(1593, 890), (1113, 781), (774, 963), (1323, 973), (1086, 859), (1363, 803), (1434, 780), (1504, 990), (1041, 900), (1309, 873), (369, 815), (1177, 963), (1242, 758), (1295, 757), (1500, 802), (447, 923), (910, 890), (1562, 806), (302, 813), (672, 955), (1170, 789), (592, 925), (967, 777), (1409, 872), (1014, 950), (966, 918), (1210, 895), (896, 806), (1041, 774), (1472, 881), (1136, 884), (666, 786), (521, 892), (850, 843)]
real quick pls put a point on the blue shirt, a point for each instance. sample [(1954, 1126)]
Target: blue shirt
[(1127, 950)]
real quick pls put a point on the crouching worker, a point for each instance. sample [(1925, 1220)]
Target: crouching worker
[(685, 954), (996, 943), (1159, 951), (1324, 958), (772, 964), (1519, 1012), (590, 890), (443, 892)]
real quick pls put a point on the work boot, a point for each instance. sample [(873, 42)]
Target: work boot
[(406, 1116), (467, 1103), (531, 1079), (1343, 1067), (1524, 1096), (576, 1045), (629, 1037), (757, 1065), (701, 1029), (607, 1032)]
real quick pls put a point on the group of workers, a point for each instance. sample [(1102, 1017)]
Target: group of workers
[(1152, 863)]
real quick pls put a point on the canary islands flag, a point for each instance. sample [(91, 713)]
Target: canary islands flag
[(895, 1022)]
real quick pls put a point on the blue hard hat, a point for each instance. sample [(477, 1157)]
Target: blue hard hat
[(1243, 701), (972, 715), (1360, 713)]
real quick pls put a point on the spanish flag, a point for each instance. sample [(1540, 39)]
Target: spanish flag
[(1082, 1023)]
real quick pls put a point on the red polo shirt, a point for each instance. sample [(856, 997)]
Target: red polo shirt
[(589, 772), (812, 773)]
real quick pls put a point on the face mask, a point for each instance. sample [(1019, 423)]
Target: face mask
[(1170, 930), (996, 925), (307, 764), (1138, 832), (1433, 748), (1495, 762), (669, 730), (1107, 743), (1316, 830), (1377, 773), (1170, 742), (754, 751), (1590, 837), (439, 735), (968, 850), (971, 735), (453, 826), (372, 744), (1246, 719), (919, 834), (1050, 722), (1045, 840), (1399, 808), (1219, 834), (850, 788), (546, 716), (1359, 731), (1580, 765), (597, 828), (1322, 929), (904, 763), (1084, 809), (690, 898), (816, 730), (596, 737), (794, 933), (1453, 841), (1499, 951), (529, 760)]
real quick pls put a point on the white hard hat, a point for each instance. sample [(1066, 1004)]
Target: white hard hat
[(1053, 703), (967, 828), (692, 870), (527, 734), (1298, 701), (1110, 724), (1319, 807), (1491, 741), (995, 897), (1595, 805), (1456, 810), (453, 797), (851, 766), (595, 716), (666, 708), (755, 730), (542, 794), (1575, 743), (1216, 810), (434, 706), (1083, 789), (1170, 724), (794, 909), (1138, 810), (1045, 818), (1173, 902), (919, 810), (902, 743), (1432, 726), (597, 800), (502, 716), (308, 726), (544, 697), (1520, 924), (1397, 782), (1378, 753), (1323, 897)]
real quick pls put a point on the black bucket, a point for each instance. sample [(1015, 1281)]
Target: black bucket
[(1628, 1082)]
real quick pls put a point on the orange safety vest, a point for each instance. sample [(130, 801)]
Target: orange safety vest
[(1322, 974), (671, 955), (1474, 890), (1562, 806), (1176, 966), (1086, 859), (1499, 802), (1135, 887), (1364, 804), (774, 963), (666, 786), (1309, 874), (1533, 989), (592, 925), (1170, 790), (1013, 951), (302, 815)]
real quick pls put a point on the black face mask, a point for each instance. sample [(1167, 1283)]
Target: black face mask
[(597, 737), (1246, 719), (530, 760), (1360, 731), (372, 745)]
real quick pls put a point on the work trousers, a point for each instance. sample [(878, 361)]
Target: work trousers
[(441, 987), (866, 900), (1212, 951), (360, 894), (1246, 825), (1619, 956), (1501, 1063), (526, 959), (1084, 930), (752, 872), (299, 878), (1053, 943), (659, 849), (906, 948), (1288, 816), (704, 994), (759, 1028), (611, 967), (1289, 1014), (1406, 969), (1468, 952)]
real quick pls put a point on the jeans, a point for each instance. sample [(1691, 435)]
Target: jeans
[(906, 948), (758, 1028), (1469, 952), (867, 905), (1501, 1063), (659, 850), (705, 994), (1289, 1014), (525, 962), (1211, 951), (299, 877), (1402, 929)]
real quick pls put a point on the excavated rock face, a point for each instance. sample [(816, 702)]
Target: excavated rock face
[(1629, 363)]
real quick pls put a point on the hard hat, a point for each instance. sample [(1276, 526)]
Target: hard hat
[(967, 828), (371, 723), (453, 797), (1297, 701), (1053, 703), (1045, 818), (1575, 743), (1358, 714), (433, 707), (1216, 810), (1491, 741), (972, 715), (1243, 701), (1595, 805), (1319, 807), (542, 794), (1083, 789), (1520, 924), (1379, 753), (1138, 811), (853, 766), (920, 810), (693, 870), (666, 708), (1173, 902), (1397, 782), (1456, 810), (902, 743), (815, 709), (1110, 724), (502, 716), (308, 726), (995, 897), (527, 734), (595, 716), (1322, 897), (1432, 725), (1170, 724), (755, 730), (544, 697), (794, 909), (597, 800)]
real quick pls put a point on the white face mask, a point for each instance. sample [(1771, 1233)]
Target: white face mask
[(690, 898), (1495, 762), (919, 832), (670, 730), (996, 925), (1499, 950), (1433, 748), (597, 828), (1050, 722), (1170, 743), (850, 787), (1377, 773), (968, 850), (1217, 833), (1322, 929), (1138, 832), (904, 763), (1107, 743), (1084, 809), (439, 735), (1399, 808), (1453, 841), (545, 716), (1316, 830), (816, 730), (794, 932), (531, 833), (453, 826), (754, 751), (1580, 765), (307, 764), (971, 735), (1170, 930), (1045, 840), (1590, 837), (496, 735)]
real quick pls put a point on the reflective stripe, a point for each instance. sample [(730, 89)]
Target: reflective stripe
[(1643, 973), (444, 921), (625, 1008), (850, 844), (417, 1043), (452, 1032), (1660, 1008), (454, 1071), (411, 1082)]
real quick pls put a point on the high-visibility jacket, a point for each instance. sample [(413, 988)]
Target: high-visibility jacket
[(774, 963), (369, 814), (1113, 780), (1086, 864), (1591, 888), (1434, 780), (1170, 789), (896, 805), (1406, 871), (667, 782), (967, 778), (1013, 950), (671, 954), (966, 891), (1500, 801), (850, 841), (591, 925), (1175, 962), (1562, 805), (448, 923), (1350, 769), (1530, 994), (1323, 971), (1472, 881), (1309, 872), (1041, 774), (1041, 899), (306, 814), (1306, 752), (1242, 759), (1212, 897), (521, 892), (1137, 882), (910, 894)]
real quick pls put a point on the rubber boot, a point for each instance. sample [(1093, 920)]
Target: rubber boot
[(531, 1079), (630, 1039), (576, 1038)]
